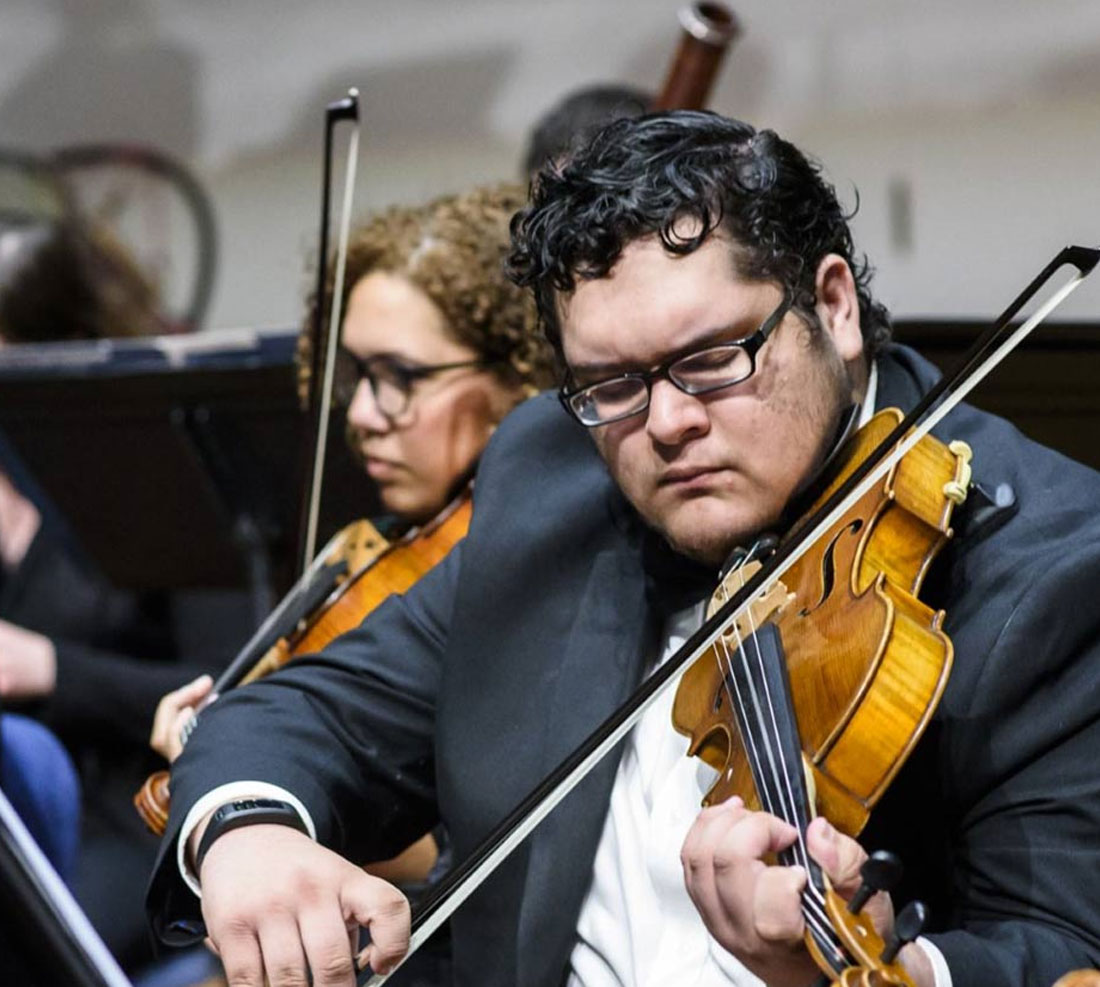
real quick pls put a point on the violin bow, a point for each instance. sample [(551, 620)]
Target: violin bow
[(323, 362), (984, 355), (323, 351)]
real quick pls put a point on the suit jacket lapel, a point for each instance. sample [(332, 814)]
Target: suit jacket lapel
[(600, 664), (896, 387)]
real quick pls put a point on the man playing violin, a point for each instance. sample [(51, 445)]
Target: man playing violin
[(699, 282)]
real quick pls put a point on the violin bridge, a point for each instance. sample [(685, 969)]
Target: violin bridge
[(759, 611)]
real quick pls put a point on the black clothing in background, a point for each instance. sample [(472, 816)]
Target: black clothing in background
[(115, 659)]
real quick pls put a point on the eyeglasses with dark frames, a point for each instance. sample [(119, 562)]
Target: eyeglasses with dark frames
[(391, 381), (700, 372)]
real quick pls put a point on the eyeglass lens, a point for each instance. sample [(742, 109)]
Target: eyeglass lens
[(709, 369), (389, 386)]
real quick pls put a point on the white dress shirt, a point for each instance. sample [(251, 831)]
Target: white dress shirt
[(638, 926)]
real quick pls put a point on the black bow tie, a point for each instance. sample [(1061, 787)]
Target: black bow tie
[(673, 581)]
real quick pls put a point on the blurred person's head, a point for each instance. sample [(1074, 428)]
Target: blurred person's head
[(62, 281), (578, 114), (437, 344)]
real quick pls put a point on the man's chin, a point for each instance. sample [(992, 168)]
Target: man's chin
[(709, 552), (709, 546), (709, 535)]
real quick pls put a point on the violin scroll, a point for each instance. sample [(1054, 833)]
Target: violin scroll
[(874, 961), (152, 801)]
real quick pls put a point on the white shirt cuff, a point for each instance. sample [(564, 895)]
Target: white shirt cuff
[(941, 974), (228, 793)]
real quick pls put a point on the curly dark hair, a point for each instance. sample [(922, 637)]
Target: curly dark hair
[(453, 249), (645, 176)]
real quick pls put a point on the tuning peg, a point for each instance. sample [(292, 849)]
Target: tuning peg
[(880, 872), (907, 926)]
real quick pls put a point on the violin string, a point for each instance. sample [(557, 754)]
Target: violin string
[(813, 901), (802, 850), (780, 774), (813, 909), (784, 778), (816, 919), (773, 798), (730, 679)]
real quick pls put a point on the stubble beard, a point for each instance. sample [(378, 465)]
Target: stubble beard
[(714, 548)]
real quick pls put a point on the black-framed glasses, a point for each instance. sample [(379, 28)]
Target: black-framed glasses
[(700, 372), (391, 380)]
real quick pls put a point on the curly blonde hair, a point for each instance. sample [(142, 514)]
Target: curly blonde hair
[(453, 249)]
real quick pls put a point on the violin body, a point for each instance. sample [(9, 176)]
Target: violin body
[(812, 699), (379, 569), (866, 660), (1079, 978), (374, 569)]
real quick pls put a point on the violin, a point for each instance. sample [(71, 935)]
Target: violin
[(1079, 978), (354, 573), (812, 700)]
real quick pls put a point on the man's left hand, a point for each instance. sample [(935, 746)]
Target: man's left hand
[(754, 910), (28, 663)]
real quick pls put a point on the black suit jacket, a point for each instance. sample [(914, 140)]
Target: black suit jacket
[(452, 702)]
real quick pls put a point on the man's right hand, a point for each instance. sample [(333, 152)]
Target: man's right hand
[(276, 904)]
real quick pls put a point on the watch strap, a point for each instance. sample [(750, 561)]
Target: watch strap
[(246, 812)]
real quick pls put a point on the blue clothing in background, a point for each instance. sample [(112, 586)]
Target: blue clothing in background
[(39, 779)]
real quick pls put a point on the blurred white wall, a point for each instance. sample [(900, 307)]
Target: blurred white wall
[(980, 119)]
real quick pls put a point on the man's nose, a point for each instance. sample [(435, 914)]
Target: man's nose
[(674, 416), (364, 413)]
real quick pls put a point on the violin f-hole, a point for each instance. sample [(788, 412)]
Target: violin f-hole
[(828, 566)]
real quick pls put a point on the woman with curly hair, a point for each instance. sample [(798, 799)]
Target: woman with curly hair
[(437, 346)]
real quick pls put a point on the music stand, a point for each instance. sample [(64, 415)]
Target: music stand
[(176, 460), (42, 927)]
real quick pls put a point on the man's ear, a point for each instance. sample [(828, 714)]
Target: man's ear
[(837, 306)]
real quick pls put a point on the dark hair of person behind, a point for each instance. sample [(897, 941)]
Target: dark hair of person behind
[(60, 280), (681, 176), (578, 114)]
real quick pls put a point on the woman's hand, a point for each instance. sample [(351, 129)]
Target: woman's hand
[(173, 712), (28, 663), (19, 523)]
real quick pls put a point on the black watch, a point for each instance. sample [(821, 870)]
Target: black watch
[(246, 812)]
